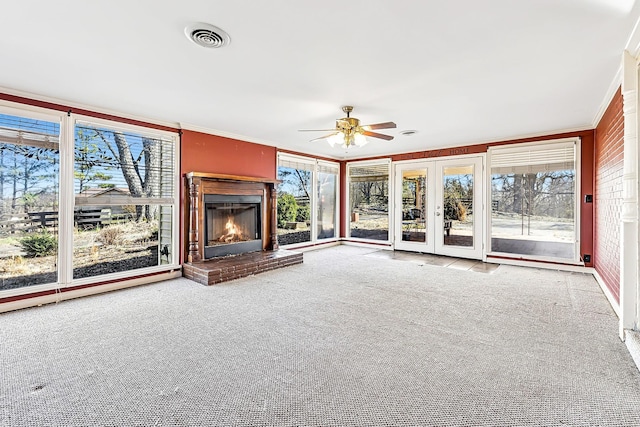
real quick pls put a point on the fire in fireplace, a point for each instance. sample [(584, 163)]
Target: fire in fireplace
[(232, 224)]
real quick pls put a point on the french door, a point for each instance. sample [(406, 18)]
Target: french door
[(438, 206)]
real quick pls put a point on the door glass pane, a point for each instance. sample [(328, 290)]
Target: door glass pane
[(29, 170), (414, 184), (369, 201), (457, 206), (327, 192)]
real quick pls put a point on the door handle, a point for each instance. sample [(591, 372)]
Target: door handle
[(437, 213)]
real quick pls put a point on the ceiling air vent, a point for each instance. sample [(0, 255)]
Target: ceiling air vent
[(207, 35)]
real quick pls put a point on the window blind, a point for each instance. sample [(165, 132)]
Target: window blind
[(295, 163), (532, 158), (117, 167), (29, 132), (365, 173), (328, 168)]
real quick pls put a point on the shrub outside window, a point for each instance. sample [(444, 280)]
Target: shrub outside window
[(304, 214)]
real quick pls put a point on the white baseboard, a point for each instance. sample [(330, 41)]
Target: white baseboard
[(91, 290), (632, 341), (605, 290), (381, 246)]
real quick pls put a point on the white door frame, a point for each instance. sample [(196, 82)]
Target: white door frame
[(476, 251), (429, 170), (434, 222)]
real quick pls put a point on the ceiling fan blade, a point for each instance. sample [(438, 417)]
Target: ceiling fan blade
[(377, 135), (386, 125), (315, 130), (324, 137)]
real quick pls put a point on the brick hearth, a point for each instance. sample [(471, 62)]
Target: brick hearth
[(217, 270)]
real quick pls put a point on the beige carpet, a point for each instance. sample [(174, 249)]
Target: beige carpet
[(349, 338)]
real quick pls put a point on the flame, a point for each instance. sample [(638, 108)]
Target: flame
[(233, 234)]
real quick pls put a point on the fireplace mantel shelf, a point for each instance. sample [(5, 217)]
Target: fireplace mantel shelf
[(225, 177)]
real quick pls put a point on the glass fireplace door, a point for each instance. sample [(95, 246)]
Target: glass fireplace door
[(232, 225)]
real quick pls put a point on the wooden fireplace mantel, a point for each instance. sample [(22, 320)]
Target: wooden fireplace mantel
[(225, 177), (201, 183)]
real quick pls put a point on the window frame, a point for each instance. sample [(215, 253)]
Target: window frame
[(336, 213), (175, 213), (314, 163), (539, 146), (38, 113), (66, 202), (390, 195)]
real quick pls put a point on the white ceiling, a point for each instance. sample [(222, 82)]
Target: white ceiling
[(459, 72)]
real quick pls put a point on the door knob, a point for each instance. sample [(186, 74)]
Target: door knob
[(437, 213)]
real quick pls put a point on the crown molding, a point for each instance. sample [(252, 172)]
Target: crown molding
[(633, 47), (633, 42), (224, 134), (608, 96), (80, 106)]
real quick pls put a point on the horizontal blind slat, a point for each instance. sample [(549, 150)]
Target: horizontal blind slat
[(545, 157), (114, 166)]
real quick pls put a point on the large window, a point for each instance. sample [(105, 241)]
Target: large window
[(29, 185), (369, 200), (327, 212), (83, 201), (533, 200), (304, 214), (124, 197)]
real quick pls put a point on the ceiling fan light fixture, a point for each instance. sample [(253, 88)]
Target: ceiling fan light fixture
[(360, 140), (347, 139), (337, 138), (348, 131)]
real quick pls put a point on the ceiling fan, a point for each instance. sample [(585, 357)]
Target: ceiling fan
[(348, 131)]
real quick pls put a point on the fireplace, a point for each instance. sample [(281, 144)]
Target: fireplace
[(233, 224), (231, 228), (229, 215)]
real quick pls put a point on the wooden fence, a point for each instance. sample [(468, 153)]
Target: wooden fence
[(35, 221)]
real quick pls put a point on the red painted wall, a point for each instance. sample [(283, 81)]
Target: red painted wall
[(587, 210), (608, 159), (201, 152)]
